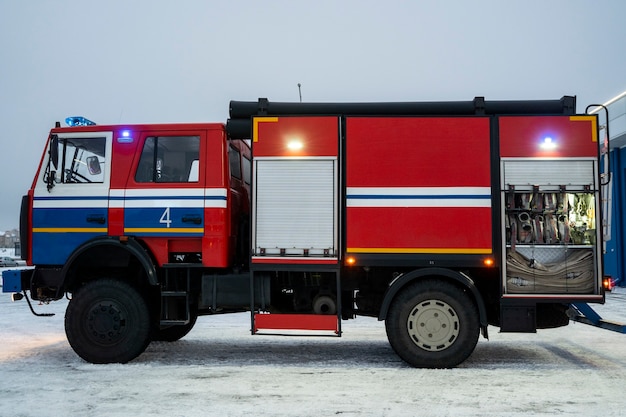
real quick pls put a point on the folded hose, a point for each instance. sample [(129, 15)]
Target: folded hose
[(575, 274)]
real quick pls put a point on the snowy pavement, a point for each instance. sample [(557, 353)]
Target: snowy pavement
[(219, 369)]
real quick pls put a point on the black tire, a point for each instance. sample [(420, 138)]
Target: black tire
[(107, 321), (174, 333), (433, 324)]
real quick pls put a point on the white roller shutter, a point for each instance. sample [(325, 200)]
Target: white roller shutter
[(295, 207), (549, 174)]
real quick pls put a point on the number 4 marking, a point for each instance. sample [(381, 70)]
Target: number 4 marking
[(165, 217)]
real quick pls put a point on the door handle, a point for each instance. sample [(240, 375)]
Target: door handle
[(192, 219), (96, 219)]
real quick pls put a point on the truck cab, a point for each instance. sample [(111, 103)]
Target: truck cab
[(128, 204)]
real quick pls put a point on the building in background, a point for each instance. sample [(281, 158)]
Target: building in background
[(9, 238)]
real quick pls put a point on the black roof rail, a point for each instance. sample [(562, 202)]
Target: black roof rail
[(238, 125)]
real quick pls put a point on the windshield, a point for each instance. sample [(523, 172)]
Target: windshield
[(81, 160)]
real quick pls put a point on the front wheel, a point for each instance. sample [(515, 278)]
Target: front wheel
[(107, 321), (433, 324)]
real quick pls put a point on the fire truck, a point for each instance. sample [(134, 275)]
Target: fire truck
[(438, 218)]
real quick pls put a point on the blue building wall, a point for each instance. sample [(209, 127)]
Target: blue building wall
[(615, 256), (615, 249)]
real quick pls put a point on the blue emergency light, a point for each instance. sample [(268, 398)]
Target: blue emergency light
[(548, 144), (78, 121), (125, 137)]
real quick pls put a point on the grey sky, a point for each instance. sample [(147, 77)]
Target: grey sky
[(176, 61)]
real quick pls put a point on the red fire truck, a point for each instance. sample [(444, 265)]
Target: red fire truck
[(438, 218)]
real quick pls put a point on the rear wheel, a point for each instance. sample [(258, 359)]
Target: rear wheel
[(433, 324), (107, 321)]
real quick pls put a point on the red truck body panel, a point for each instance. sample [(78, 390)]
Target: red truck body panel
[(418, 185)]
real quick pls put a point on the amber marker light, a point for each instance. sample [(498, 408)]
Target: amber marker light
[(608, 283), (488, 262), (350, 260)]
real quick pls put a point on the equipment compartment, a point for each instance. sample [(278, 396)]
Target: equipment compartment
[(550, 241)]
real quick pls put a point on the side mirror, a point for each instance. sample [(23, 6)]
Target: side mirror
[(93, 165), (50, 179)]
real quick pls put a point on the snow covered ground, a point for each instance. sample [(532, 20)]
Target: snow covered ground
[(219, 369)]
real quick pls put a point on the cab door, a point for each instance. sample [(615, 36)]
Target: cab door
[(164, 199), (70, 196)]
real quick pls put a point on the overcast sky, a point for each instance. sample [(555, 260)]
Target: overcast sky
[(178, 61)]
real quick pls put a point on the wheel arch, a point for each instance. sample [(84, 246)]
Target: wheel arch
[(456, 277), (109, 252)]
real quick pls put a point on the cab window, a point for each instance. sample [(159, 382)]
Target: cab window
[(169, 159), (247, 166), (235, 162)]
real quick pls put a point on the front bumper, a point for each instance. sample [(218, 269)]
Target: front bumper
[(16, 280)]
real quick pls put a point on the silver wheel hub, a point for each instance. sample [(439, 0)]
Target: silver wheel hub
[(433, 325)]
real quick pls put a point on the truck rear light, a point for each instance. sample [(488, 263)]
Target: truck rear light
[(488, 262), (608, 283), (350, 260)]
